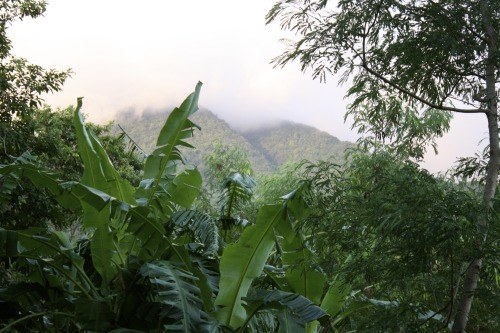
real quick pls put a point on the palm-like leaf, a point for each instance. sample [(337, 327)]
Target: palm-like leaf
[(201, 225), (301, 275), (175, 289), (100, 174), (243, 261), (236, 192), (71, 194), (299, 310)]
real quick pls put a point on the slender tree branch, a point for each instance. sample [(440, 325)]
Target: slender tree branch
[(417, 97)]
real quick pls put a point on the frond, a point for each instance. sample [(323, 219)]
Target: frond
[(174, 288), (236, 191), (201, 225)]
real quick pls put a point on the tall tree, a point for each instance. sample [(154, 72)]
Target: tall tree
[(411, 63), (22, 83)]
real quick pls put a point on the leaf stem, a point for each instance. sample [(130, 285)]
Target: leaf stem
[(33, 315)]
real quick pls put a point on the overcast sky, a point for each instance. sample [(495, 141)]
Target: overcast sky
[(150, 54)]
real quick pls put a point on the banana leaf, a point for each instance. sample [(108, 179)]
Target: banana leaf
[(160, 165), (201, 225), (98, 171), (242, 262), (174, 287)]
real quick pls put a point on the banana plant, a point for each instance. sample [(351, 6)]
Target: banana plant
[(150, 263), (129, 244), (244, 261)]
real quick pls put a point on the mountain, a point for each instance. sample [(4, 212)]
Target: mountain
[(267, 148)]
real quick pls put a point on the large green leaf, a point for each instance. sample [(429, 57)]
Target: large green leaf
[(242, 262), (42, 178), (202, 270), (236, 191), (149, 231), (174, 287), (162, 190), (289, 323), (53, 254), (98, 170), (302, 277), (100, 174), (71, 195), (104, 252), (335, 298), (172, 136), (201, 225), (207, 271)]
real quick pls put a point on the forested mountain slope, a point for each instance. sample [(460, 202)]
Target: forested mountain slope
[(268, 147), (288, 141)]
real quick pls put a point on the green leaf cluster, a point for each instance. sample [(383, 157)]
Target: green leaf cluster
[(150, 263)]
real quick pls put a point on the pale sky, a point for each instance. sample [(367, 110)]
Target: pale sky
[(150, 54)]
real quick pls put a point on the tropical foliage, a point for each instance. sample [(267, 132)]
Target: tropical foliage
[(148, 262), (373, 243), (412, 233), (47, 138), (410, 64)]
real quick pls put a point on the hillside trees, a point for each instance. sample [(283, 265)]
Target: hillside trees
[(411, 65)]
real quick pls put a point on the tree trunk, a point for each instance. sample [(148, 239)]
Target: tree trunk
[(472, 276)]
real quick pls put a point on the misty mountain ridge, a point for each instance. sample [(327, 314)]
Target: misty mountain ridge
[(268, 147)]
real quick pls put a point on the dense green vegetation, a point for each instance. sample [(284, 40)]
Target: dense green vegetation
[(94, 238), (47, 138), (155, 264), (412, 64)]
